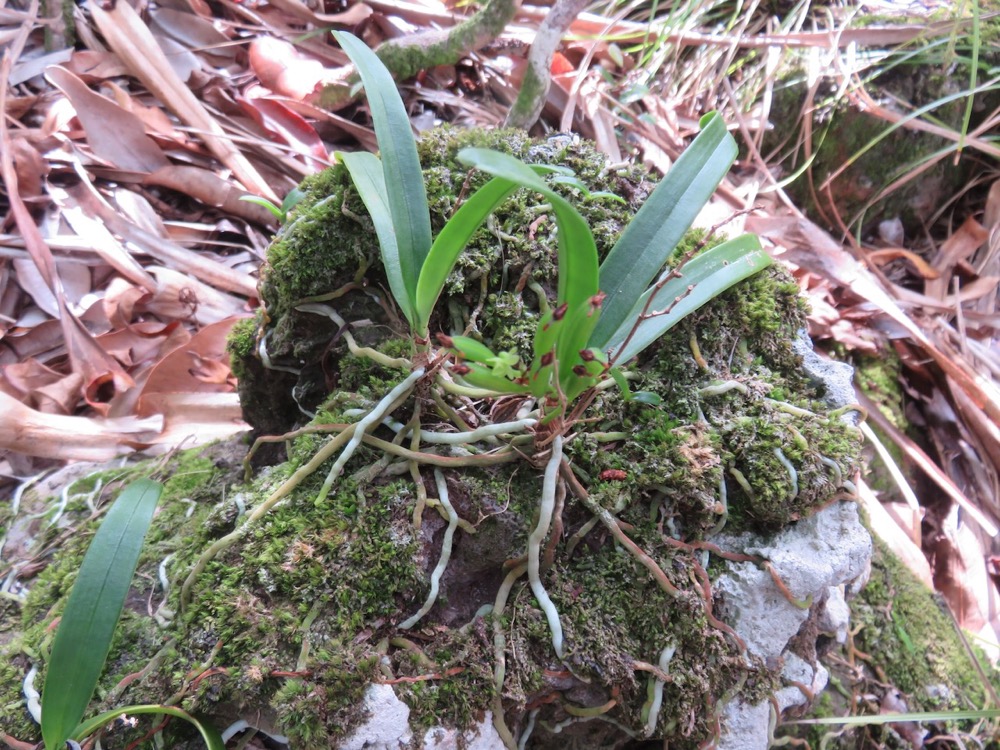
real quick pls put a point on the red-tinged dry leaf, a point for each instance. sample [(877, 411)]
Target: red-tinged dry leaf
[(211, 190), (283, 69), (960, 575), (211, 371), (561, 65), (116, 136), (887, 254), (154, 118), (129, 37), (88, 360), (176, 372), (960, 246), (72, 438), (120, 299), (180, 297), (287, 124)]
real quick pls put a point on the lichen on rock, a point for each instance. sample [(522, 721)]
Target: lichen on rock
[(290, 625)]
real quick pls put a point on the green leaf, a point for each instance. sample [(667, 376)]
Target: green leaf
[(574, 334), (578, 269), (210, 735), (95, 603), (451, 241), (471, 349), (258, 201), (651, 236), (401, 165), (708, 275), (369, 181), (482, 376)]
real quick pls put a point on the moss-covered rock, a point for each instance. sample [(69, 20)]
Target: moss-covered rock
[(285, 620)]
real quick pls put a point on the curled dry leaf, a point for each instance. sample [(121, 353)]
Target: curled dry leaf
[(72, 438)]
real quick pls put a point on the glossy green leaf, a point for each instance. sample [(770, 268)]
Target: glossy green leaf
[(95, 603), (450, 242), (264, 203), (471, 349), (578, 266), (703, 278), (654, 232), (369, 181), (481, 376), (407, 199), (209, 734)]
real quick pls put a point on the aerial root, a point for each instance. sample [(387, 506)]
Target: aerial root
[(536, 538), (651, 710), (346, 442), (611, 523), (449, 535)]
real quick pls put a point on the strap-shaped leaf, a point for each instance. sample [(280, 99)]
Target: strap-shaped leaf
[(369, 181), (578, 269), (95, 603), (654, 232), (709, 274), (401, 165), (209, 734), (451, 241)]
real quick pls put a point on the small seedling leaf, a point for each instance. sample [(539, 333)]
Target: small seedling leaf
[(95, 603), (209, 734)]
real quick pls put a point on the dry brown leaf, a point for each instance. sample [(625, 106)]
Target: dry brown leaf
[(96, 65), (72, 438), (193, 32), (959, 247), (130, 38), (809, 247), (185, 261), (211, 190), (116, 136), (180, 297)]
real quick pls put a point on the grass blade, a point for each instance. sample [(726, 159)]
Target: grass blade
[(709, 274), (209, 734), (451, 241), (647, 241), (92, 611), (369, 181), (401, 166), (578, 269)]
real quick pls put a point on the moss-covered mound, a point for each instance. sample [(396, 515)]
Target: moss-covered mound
[(284, 620)]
